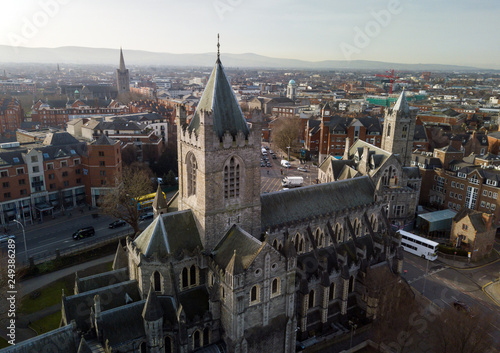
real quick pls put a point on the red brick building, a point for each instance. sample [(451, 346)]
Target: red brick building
[(60, 173), (58, 114), (11, 114), (334, 130), (102, 167)]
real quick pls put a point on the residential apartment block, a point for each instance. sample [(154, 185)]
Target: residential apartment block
[(58, 173), (450, 180), (11, 114)]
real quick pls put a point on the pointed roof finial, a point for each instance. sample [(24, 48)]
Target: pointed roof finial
[(218, 48)]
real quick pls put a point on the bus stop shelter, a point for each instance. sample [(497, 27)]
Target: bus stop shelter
[(435, 224)]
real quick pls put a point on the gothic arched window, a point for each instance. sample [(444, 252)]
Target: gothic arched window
[(185, 278), (168, 344), (331, 293), (192, 167), (275, 287), (232, 179), (388, 130), (404, 131), (351, 284), (196, 339), (157, 281), (311, 299), (206, 336), (192, 275)]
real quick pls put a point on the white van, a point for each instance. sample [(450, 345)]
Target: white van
[(285, 163)]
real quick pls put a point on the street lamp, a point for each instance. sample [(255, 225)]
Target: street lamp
[(353, 328), (24, 238), (288, 153), (425, 276)]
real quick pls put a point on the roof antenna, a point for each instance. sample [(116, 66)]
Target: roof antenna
[(218, 48)]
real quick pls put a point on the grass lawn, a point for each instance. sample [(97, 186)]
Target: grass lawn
[(3, 343), (48, 323), (49, 295)]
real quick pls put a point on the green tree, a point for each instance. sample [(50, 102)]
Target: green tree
[(119, 203)]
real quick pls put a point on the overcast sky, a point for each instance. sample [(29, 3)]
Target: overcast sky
[(461, 32)]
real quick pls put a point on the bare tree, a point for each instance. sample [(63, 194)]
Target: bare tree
[(461, 332), (122, 201), (285, 133), (391, 303)]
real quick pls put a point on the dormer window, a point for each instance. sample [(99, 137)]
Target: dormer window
[(462, 175), (491, 182)]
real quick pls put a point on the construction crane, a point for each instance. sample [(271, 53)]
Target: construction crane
[(391, 78)]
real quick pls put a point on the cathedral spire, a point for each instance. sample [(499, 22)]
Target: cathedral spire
[(218, 49), (122, 62), (219, 98)]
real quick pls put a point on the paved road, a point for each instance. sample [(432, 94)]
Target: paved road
[(43, 239), (443, 285)]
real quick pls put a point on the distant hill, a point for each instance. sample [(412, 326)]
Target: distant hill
[(83, 55)]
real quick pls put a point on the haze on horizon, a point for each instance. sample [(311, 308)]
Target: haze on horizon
[(461, 32)]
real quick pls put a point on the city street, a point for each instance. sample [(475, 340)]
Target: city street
[(43, 239), (443, 285)]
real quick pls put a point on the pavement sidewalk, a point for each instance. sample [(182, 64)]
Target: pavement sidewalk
[(493, 258), (32, 284)]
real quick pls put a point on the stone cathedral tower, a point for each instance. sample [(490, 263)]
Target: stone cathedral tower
[(399, 129), (122, 77), (219, 167)]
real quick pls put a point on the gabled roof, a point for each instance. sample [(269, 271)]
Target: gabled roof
[(84, 347), (309, 201), (86, 284), (169, 233), (236, 250), (104, 140), (219, 98), (63, 339), (59, 138), (159, 202), (152, 309), (77, 307), (476, 219)]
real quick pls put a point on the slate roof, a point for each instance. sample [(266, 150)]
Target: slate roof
[(420, 133), (131, 324), (77, 307), (170, 233), (84, 347), (292, 205), (152, 309), (60, 139), (11, 158), (101, 280), (160, 202), (412, 172), (476, 219), (194, 302), (61, 340), (336, 164), (236, 249), (219, 98), (121, 258), (104, 140)]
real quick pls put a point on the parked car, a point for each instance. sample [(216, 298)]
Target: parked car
[(146, 215), (302, 169), (117, 223), (268, 164), (5, 237), (461, 306), (83, 233), (274, 156)]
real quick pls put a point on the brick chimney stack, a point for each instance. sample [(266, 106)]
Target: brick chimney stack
[(488, 220)]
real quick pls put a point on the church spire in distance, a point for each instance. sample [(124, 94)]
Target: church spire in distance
[(122, 62)]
